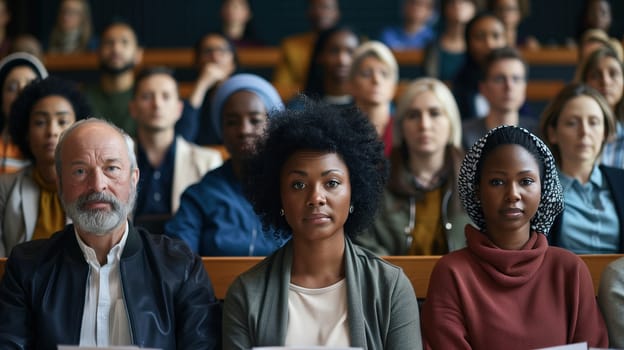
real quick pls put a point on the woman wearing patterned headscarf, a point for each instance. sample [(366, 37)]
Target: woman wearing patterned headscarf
[(508, 289)]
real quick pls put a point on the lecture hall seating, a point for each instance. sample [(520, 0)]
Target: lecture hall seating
[(223, 270), (267, 57), (261, 60)]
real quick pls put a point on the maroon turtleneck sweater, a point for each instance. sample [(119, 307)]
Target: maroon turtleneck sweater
[(485, 297)]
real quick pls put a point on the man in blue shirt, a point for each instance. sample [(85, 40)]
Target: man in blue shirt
[(416, 31)]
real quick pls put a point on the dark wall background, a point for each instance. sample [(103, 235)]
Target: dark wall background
[(167, 23)]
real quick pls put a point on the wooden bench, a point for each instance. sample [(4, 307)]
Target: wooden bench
[(223, 270), (267, 57), (546, 64), (537, 90), (556, 67), (263, 57)]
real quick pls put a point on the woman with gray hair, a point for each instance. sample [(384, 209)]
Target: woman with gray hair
[(420, 212), (508, 289)]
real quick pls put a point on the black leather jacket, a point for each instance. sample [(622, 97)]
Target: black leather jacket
[(168, 295)]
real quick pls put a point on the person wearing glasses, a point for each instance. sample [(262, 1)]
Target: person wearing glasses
[(503, 83)]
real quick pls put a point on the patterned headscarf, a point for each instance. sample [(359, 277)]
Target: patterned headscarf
[(551, 201)]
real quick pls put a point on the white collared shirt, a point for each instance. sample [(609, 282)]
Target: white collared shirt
[(105, 318)]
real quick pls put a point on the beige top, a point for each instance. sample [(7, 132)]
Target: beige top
[(318, 316)]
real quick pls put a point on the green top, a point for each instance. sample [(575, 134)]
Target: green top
[(112, 107), (382, 309)]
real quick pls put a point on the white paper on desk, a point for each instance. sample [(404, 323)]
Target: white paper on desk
[(74, 347), (575, 346)]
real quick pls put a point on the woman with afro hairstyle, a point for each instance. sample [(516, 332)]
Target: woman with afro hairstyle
[(318, 178), (29, 204)]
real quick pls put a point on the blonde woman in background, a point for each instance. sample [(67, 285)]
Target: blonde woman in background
[(373, 81), (421, 213)]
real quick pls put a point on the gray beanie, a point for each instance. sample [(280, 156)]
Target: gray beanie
[(21, 59)]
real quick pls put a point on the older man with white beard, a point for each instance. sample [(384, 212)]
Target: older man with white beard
[(100, 281)]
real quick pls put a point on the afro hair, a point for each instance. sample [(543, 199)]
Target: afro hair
[(323, 128)]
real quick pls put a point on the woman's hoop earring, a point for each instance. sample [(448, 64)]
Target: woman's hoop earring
[(351, 209), (281, 212)]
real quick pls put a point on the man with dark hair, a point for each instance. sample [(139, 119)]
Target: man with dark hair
[(503, 84), (216, 61), (100, 281), (167, 162), (119, 53)]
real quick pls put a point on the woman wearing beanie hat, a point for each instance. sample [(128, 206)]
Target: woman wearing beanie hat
[(215, 218), (16, 71)]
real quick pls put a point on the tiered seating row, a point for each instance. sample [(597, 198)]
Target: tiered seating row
[(263, 59), (223, 270)]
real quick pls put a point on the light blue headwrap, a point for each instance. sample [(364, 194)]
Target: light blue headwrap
[(247, 82)]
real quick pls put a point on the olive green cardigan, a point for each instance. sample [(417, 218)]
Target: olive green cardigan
[(382, 307)]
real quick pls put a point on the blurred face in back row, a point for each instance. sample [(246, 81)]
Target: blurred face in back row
[(323, 14), (13, 84), (215, 49), (459, 11), (373, 83), (417, 11), (607, 77), (337, 55), (486, 34), (119, 50), (156, 105), (72, 15), (504, 87)]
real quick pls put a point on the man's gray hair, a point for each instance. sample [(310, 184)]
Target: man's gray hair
[(59, 147)]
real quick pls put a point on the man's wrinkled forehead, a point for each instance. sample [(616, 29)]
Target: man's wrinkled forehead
[(97, 139)]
